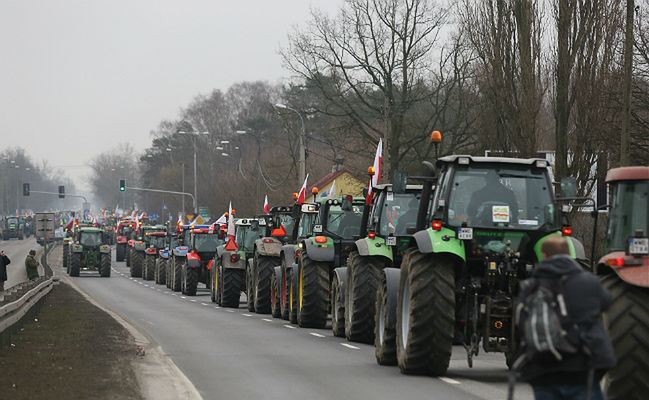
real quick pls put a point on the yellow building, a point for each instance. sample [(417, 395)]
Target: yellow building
[(346, 183)]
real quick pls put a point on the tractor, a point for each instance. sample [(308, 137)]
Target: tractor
[(140, 244), (162, 262), (155, 243), (335, 231), (228, 272), (198, 262), (474, 242), (13, 228), (263, 275), (178, 256), (122, 232), (624, 271), (89, 251)]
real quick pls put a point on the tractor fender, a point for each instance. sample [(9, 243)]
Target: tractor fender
[(130, 243), (268, 246), (391, 278), (288, 254), (151, 251), (320, 252), (373, 247), (227, 263), (193, 260), (181, 251), (440, 242), (139, 246), (121, 239), (211, 264), (580, 252), (571, 246), (104, 249), (164, 253), (340, 274), (636, 275)]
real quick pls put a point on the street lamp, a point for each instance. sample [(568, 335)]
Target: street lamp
[(302, 150), (194, 135)]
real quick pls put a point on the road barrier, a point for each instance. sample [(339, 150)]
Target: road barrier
[(22, 302)]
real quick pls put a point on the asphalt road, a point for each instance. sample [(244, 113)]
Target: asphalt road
[(239, 355), (17, 250)]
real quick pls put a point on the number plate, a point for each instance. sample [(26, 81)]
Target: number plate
[(391, 240), (638, 246), (465, 234), (317, 228)]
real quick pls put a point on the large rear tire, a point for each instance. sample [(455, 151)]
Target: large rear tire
[(250, 293), (214, 286), (313, 292), (293, 296), (284, 291), (149, 268), (137, 260), (385, 343), (263, 271), (190, 283), (363, 278), (425, 313), (176, 275), (627, 321), (129, 254), (338, 287), (120, 252), (75, 264), (231, 285), (66, 256), (104, 266), (276, 278)]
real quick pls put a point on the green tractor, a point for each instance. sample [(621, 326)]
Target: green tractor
[(89, 251), (475, 241), (229, 267), (335, 230)]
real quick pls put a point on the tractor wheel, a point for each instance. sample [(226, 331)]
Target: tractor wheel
[(129, 254), (120, 251), (284, 291), (231, 285), (190, 283), (176, 274), (627, 321), (293, 296), (214, 285), (168, 272), (75, 264), (312, 293), (275, 305), (137, 260), (65, 257), (264, 268), (250, 293), (338, 287), (104, 266), (161, 269), (364, 276), (425, 313), (149, 268), (385, 344)]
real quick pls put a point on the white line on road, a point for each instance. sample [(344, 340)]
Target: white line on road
[(449, 380), (130, 278), (229, 310), (267, 320), (246, 315), (349, 346), (316, 334), (183, 297), (204, 304), (217, 307), (193, 301), (289, 326), (174, 294)]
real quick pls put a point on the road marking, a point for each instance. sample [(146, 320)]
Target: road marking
[(183, 297), (159, 290), (316, 334), (267, 320), (229, 310), (193, 301), (449, 380), (146, 285), (349, 346), (130, 278), (246, 315), (289, 326), (217, 307), (203, 304)]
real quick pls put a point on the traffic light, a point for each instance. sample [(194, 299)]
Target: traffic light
[(122, 185), (61, 192), (25, 189)]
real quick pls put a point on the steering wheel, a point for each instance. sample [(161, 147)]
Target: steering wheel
[(484, 214)]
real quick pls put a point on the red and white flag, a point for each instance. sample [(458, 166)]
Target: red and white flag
[(376, 178), (231, 243), (266, 205), (301, 196), (332, 191)]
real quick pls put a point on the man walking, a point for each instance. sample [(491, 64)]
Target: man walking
[(31, 264), (4, 261), (582, 300)]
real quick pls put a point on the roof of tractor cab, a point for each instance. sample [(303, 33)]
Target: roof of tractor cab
[(628, 174), (245, 221), (281, 209), (384, 186), (340, 199), (495, 160), (156, 233), (89, 229)]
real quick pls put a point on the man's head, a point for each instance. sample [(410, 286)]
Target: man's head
[(32, 252), (555, 246)]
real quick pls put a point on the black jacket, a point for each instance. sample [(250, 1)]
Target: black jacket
[(586, 300), (4, 261)]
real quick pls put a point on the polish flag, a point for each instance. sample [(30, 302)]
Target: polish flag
[(266, 205), (332, 191), (301, 196), (375, 179), (231, 244), (68, 226)]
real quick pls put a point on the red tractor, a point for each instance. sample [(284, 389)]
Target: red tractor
[(122, 233), (625, 273)]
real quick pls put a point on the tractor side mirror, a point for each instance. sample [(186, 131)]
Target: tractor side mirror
[(400, 182), (347, 203)]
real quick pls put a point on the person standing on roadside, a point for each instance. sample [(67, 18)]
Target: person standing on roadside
[(31, 264), (4, 261)]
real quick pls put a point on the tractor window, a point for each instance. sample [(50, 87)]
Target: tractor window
[(90, 239), (173, 242), (287, 221), (246, 237), (490, 195), (12, 221), (206, 242), (305, 228), (398, 213), (628, 213), (346, 224), (157, 241)]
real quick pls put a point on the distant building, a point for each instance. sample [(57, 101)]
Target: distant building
[(346, 183)]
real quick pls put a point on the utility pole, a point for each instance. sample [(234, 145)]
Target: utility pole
[(302, 149), (628, 70)]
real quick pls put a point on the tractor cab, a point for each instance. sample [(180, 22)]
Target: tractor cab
[(89, 251), (280, 223), (248, 230), (204, 241), (155, 241)]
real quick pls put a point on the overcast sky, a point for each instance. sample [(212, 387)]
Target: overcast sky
[(79, 76)]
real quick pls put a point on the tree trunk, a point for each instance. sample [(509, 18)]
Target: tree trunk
[(562, 91)]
